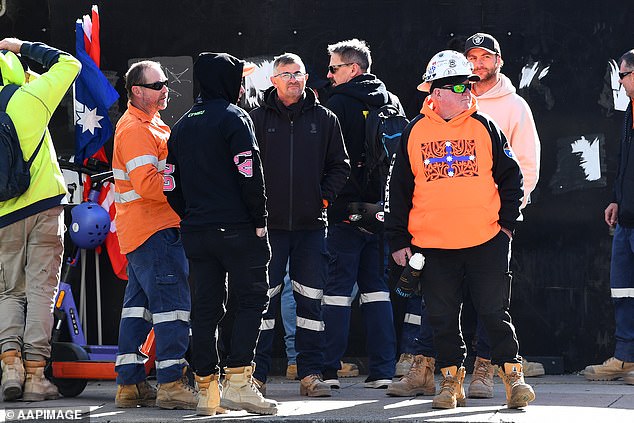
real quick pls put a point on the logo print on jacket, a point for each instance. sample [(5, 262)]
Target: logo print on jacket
[(449, 159), (244, 163)]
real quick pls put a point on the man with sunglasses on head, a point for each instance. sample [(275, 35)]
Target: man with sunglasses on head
[(157, 294), (496, 97), (358, 255), (454, 195), (305, 166), (619, 215)]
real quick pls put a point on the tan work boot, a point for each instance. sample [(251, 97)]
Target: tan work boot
[(348, 370), (208, 395), (291, 372), (239, 392), (451, 388), (533, 368), (260, 385), (130, 396), (36, 386), (629, 378), (13, 375), (419, 380), (518, 392), (481, 385), (403, 364), (177, 394), (313, 386), (611, 369)]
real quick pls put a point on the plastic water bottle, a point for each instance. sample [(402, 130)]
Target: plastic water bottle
[(410, 278)]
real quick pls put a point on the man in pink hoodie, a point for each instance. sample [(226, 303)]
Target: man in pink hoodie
[(496, 97)]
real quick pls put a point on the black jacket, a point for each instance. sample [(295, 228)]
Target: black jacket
[(304, 160), (349, 101), (624, 184), (217, 169)]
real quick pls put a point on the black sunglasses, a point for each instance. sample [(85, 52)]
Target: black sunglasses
[(333, 68), (156, 86), (624, 74), (458, 88)]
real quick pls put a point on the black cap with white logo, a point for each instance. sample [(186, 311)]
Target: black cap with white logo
[(483, 41)]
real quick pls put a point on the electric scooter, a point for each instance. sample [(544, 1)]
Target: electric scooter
[(73, 363)]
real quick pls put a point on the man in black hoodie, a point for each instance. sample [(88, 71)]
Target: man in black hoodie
[(217, 188), (359, 256), (305, 166)]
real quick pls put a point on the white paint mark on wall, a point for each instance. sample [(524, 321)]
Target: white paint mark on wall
[(590, 158), (256, 83), (528, 74), (621, 100)]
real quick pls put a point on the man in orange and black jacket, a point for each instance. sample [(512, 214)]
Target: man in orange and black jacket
[(454, 194)]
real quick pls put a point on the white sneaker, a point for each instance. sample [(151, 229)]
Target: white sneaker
[(378, 383)]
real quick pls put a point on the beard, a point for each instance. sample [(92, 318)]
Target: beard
[(486, 74)]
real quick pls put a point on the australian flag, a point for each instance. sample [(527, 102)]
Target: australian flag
[(93, 97)]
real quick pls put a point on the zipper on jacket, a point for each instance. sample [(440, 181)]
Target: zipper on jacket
[(290, 185)]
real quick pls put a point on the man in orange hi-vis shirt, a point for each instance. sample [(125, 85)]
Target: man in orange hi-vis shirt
[(454, 195), (157, 293)]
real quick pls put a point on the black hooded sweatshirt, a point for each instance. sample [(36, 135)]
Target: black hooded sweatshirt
[(218, 180), (349, 101), (304, 160)]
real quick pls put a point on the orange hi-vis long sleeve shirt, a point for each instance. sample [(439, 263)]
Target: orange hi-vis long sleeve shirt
[(138, 164)]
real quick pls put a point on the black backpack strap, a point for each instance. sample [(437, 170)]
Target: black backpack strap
[(5, 95), (37, 150)]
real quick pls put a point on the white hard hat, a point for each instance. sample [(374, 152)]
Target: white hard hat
[(447, 64)]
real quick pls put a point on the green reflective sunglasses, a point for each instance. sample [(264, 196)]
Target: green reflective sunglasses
[(458, 88)]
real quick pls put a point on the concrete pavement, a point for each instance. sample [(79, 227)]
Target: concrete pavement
[(561, 398)]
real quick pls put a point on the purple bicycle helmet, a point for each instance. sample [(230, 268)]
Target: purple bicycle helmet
[(90, 225)]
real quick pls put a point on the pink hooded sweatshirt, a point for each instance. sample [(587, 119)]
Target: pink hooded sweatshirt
[(514, 117)]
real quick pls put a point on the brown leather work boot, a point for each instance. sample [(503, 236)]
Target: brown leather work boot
[(36, 386), (611, 369), (419, 380), (239, 392), (403, 364), (177, 394), (313, 386), (533, 368), (481, 385), (291, 372), (140, 395), (348, 370), (518, 392), (13, 375), (451, 388), (208, 395)]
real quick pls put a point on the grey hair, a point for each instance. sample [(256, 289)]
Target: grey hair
[(353, 51), (288, 59)]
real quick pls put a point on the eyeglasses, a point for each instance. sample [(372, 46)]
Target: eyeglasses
[(156, 86), (458, 88), (333, 68), (286, 76), (622, 75)]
